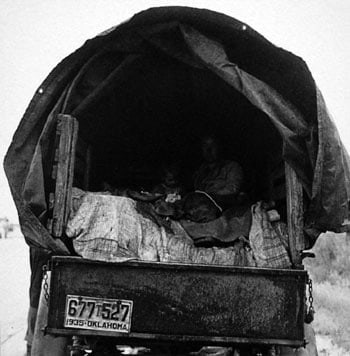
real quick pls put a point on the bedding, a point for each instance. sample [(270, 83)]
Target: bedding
[(110, 228)]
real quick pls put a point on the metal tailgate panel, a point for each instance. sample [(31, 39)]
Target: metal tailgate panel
[(188, 302)]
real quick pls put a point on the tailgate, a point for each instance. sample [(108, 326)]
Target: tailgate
[(176, 302)]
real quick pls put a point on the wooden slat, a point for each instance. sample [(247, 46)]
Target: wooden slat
[(59, 174), (68, 128), (70, 177), (294, 215)]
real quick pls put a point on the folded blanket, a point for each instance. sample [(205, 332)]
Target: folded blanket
[(268, 240)]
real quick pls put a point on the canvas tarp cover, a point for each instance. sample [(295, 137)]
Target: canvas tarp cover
[(273, 80)]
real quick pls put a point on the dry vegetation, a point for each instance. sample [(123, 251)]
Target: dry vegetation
[(330, 271)]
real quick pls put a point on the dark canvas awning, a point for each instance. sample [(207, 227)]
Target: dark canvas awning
[(274, 81)]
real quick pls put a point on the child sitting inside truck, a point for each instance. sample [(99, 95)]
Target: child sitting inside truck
[(170, 185), (170, 191)]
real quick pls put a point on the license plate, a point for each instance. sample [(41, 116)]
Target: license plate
[(98, 314)]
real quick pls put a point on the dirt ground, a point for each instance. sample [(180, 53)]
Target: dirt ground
[(14, 282)]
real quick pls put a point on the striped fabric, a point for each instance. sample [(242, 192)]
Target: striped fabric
[(268, 240)]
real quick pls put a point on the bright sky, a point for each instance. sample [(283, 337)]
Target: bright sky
[(36, 34)]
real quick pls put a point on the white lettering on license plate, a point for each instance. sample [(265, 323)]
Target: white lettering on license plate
[(112, 315)]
